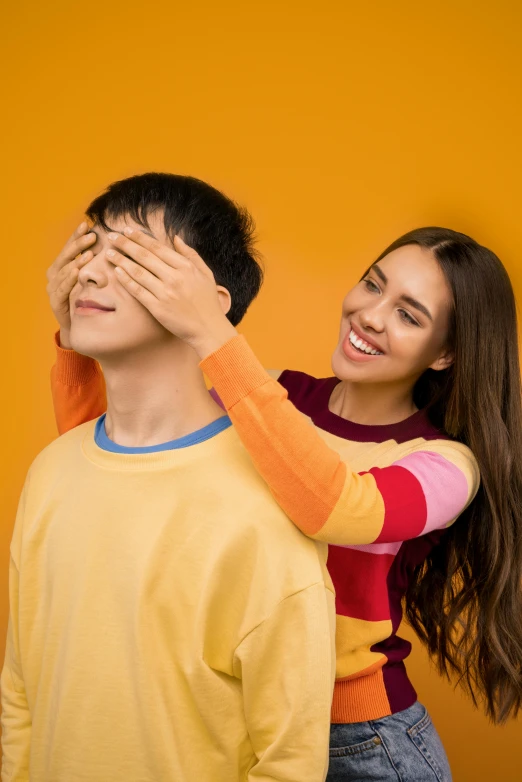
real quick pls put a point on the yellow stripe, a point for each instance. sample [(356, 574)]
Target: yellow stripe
[(353, 639), (358, 515)]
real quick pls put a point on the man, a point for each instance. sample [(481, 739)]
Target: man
[(167, 621)]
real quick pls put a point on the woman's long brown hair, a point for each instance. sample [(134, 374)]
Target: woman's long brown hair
[(465, 600)]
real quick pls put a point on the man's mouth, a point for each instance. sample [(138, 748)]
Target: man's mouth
[(90, 304)]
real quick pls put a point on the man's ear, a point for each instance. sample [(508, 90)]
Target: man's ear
[(225, 299), (444, 361)]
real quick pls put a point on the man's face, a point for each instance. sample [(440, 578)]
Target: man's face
[(106, 320)]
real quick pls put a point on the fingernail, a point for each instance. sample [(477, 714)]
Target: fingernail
[(128, 230), (113, 236), (118, 270), (82, 226), (111, 253)]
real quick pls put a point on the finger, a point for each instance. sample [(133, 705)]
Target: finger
[(63, 291), (58, 278), (136, 290), (73, 249), (190, 254), (70, 251), (138, 272), (66, 270), (137, 243), (81, 237), (83, 259), (79, 231)]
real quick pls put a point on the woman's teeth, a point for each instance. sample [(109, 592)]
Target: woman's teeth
[(363, 346)]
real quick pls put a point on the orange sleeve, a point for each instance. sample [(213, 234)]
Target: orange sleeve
[(304, 474), (77, 387)]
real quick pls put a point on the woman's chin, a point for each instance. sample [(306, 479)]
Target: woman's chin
[(346, 369)]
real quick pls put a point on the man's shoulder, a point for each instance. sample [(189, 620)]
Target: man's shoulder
[(254, 516), (61, 448)]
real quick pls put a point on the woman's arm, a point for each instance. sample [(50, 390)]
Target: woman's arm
[(77, 387), (321, 494), (423, 491)]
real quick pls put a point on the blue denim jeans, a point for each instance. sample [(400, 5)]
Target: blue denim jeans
[(404, 747)]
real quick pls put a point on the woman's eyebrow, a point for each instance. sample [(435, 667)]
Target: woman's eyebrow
[(408, 299), (379, 272), (418, 306)]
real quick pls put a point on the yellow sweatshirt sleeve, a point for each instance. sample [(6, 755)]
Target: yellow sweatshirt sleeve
[(16, 718), (287, 668)]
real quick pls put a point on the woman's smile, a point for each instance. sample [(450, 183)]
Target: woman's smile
[(358, 348)]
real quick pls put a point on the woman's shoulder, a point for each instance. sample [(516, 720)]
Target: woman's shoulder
[(308, 393), (440, 443), (435, 452)]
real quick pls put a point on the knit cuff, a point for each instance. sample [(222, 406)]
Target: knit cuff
[(234, 371), (73, 369)]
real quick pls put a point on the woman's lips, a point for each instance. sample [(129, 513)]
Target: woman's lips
[(360, 335), (352, 353)]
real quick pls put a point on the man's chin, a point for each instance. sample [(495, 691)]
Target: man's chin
[(111, 344), (91, 351), (103, 347), (92, 348)]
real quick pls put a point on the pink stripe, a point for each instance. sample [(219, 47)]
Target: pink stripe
[(445, 487), (376, 548)]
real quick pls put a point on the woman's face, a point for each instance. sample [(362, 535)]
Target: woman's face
[(395, 321)]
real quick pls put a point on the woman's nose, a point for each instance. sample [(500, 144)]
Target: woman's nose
[(372, 318)]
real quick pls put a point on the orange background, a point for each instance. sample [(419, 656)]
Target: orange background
[(340, 124)]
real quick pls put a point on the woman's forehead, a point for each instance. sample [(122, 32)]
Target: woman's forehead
[(412, 265)]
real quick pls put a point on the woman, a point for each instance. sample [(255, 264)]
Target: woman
[(420, 424)]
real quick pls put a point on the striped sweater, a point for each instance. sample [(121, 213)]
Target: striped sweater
[(380, 496)]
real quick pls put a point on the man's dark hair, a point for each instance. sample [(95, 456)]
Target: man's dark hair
[(219, 230)]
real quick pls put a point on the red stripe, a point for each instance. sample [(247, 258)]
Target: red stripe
[(405, 509), (360, 583)]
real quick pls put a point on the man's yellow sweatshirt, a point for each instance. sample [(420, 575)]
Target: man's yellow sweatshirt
[(168, 623)]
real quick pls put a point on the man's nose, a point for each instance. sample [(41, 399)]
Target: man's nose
[(96, 271)]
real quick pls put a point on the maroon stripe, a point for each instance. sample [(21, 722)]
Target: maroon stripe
[(311, 396), (215, 396), (401, 693), (399, 689)]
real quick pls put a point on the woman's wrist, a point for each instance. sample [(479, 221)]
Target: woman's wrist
[(214, 339)]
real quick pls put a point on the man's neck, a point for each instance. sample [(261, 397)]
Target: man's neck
[(372, 405), (156, 395)]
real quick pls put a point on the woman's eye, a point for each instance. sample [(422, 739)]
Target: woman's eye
[(371, 286), (407, 318)]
